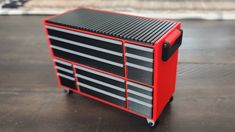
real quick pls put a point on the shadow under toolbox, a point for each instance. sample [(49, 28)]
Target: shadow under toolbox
[(126, 61)]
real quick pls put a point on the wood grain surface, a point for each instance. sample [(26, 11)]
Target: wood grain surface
[(30, 100)]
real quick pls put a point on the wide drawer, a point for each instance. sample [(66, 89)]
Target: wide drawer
[(98, 52), (101, 85)]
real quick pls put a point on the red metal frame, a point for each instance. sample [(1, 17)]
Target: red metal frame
[(76, 79), (163, 88), (125, 71)]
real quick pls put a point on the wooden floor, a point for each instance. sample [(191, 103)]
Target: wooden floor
[(30, 100)]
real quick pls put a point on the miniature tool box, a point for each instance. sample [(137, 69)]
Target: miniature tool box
[(126, 61)]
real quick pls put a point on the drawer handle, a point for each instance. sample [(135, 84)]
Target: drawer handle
[(168, 50)]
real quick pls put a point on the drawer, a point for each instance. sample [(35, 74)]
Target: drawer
[(140, 99), (139, 62), (101, 85), (98, 52), (65, 73)]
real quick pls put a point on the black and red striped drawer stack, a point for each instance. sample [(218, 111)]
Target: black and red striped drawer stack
[(125, 61)]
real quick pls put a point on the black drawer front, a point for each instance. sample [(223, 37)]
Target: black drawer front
[(93, 63), (139, 88), (139, 75), (86, 51), (101, 85), (138, 50), (140, 99), (143, 110), (96, 84), (65, 73), (67, 82), (63, 64), (102, 96), (139, 62), (101, 53), (100, 76), (91, 40)]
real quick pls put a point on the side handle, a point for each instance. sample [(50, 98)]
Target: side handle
[(168, 50)]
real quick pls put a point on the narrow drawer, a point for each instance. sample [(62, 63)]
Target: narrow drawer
[(65, 73), (140, 99), (98, 52), (101, 85), (139, 62)]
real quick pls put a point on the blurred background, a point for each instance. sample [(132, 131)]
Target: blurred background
[(176, 9), (30, 99)]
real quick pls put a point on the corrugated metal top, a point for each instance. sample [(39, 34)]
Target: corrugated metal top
[(143, 30)]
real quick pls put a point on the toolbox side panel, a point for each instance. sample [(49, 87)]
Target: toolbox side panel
[(165, 76)]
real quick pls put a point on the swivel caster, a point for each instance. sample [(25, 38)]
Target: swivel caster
[(151, 123), (171, 99), (68, 92)]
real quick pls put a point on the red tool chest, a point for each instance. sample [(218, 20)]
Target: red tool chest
[(126, 61)]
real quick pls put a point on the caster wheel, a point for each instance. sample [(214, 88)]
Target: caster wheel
[(151, 123), (68, 92), (171, 99)]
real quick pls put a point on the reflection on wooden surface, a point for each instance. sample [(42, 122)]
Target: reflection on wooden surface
[(30, 100)]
